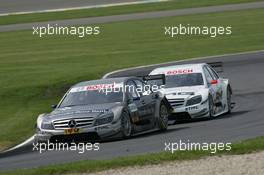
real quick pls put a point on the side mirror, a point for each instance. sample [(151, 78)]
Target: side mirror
[(53, 106), (156, 96), (214, 82)]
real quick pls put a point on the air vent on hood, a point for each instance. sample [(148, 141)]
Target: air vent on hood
[(177, 102)]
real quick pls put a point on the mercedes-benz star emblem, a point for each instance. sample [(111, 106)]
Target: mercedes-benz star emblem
[(72, 123)]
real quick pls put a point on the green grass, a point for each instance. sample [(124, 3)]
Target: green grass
[(89, 166), (35, 72), (175, 4)]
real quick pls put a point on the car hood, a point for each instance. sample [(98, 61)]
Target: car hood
[(82, 111)]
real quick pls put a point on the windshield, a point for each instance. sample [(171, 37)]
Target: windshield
[(180, 80), (90, 97)]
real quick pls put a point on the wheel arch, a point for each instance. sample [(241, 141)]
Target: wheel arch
[(166, 102), (227, 85)]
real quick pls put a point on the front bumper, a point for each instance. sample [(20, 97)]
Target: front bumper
[(84, 134), (194, 111)]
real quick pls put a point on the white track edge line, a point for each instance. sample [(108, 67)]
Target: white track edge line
[(31, 139), (82, 7)]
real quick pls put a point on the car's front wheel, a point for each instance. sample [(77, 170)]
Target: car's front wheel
[(126, 126), (229, 98), (211, 106), (163, 117)]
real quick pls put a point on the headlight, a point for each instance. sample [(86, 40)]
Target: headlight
[(46, 125), (104, 120), (194, 100)]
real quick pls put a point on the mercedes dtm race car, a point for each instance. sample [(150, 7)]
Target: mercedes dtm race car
[(104, 108), (195, 91)]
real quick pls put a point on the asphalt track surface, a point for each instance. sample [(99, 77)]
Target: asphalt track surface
[(136, 16), (16, 6), (245, 72)]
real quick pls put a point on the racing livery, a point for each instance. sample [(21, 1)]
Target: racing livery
[(98, 109), (195, 90)]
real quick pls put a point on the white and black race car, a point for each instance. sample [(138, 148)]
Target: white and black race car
[(196, 90)]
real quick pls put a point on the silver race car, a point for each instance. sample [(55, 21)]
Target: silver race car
[(107, 108)]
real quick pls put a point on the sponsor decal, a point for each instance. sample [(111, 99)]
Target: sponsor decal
[(83, 112), (97, 87), (191, 108), (179, 71)]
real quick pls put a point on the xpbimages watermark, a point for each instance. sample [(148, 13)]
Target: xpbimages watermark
[(115, 87), (60, 146), (119, 87), (185, 30), (80, 31), (212, 147)]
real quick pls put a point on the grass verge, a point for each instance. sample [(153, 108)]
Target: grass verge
[(35, 72), (90, 166), (105, 11)]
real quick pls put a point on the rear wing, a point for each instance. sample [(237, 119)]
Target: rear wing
[(159, 77), (217, 66)]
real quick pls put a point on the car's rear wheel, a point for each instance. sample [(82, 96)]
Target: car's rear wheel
[(229, 99), (126, 126), (163, 117)]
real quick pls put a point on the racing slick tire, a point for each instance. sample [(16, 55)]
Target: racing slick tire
[(210, 107), (163, 117), (126, 126), (229, 99)]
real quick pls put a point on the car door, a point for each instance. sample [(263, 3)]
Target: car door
[(137, 100), (146, 97)]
